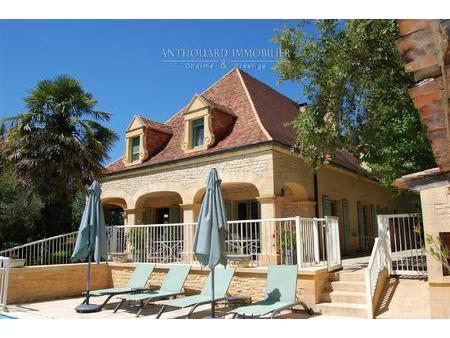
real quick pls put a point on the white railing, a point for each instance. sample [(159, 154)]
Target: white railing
[(153, 243), (333, 247), (294, 240), (4, 278), (379, 260), (48, 251), (404, 236)]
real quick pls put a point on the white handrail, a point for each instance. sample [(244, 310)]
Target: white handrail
[(379, 259), (288, 240), (4, 279)]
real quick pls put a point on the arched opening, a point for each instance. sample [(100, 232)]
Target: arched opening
[(241, 206), (159, 207), (240, 199), (114, 211), (295, 201)]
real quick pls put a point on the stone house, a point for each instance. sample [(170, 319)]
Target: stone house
[(425, 49), (238, 125)]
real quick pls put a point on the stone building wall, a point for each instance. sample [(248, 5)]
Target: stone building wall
[(436, 219), (189, 179)]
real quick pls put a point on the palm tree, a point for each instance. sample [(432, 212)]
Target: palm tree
[(59, 144)]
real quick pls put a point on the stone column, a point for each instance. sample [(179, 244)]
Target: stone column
[(129, 219), (130, 216), (188, 232), (270, 209)]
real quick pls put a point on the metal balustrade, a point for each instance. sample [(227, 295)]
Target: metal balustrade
[(48, 251), (302, 241), (405, 242)]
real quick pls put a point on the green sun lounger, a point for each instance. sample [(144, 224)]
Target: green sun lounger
[(280, 294), (171, 287), (222, 281), (138, 279)]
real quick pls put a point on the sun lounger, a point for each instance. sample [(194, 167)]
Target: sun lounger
[(280, 294), (222, 281), (171, 287), (138, 279)]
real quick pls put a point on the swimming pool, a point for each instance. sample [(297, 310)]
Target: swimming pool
[(2, 316)]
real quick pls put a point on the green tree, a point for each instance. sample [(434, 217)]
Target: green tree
[(58, 146), (15, 227), (357, 93)]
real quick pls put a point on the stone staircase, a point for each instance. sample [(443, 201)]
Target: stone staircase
[(344, 295)]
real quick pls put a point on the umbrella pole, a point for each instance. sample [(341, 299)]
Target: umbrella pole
[(213, 306), (88, 277), (85, 307)]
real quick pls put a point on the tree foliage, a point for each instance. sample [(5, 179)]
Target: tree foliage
[(357, 93), (19, 209), (59, 143), (58, 146)]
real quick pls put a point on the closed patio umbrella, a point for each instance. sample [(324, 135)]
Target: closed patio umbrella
[(212, 229), (91, 240)]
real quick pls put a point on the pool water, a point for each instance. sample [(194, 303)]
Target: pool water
[(2, 316)]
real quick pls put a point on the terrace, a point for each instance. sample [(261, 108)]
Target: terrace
[(49, 286)]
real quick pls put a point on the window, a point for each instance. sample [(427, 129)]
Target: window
[(135, 148), (248, 210), (198, 129), (162, 216)]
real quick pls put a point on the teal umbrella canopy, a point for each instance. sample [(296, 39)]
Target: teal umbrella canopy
[(212, 229), (91, 239)]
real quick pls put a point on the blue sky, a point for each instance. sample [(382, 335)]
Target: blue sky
[(121, 61)]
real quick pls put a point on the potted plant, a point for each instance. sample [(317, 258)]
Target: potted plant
[(16, 262), (288, 246)]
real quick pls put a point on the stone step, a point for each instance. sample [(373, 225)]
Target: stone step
[(343, 297), (358, 276), (342, 309), (346, 286)]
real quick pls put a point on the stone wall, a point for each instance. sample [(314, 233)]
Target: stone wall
[(39, 283), (186, 180), (436, 219), (246, 282), (338, 185)]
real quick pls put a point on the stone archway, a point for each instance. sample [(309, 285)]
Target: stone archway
[(114, 210), (159, 207), (294, 201)]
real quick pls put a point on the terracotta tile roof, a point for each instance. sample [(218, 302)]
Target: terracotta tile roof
[(274, 109), (218, 106), (261, 115), (156, 125), (347, 160), (422, 178)]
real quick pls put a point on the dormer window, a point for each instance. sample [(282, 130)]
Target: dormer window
[(144, 138), (135, 148), (198, 132), (205, 122)]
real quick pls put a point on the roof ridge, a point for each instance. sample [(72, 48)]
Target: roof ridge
[(272, 89), (203, 92), (258, 118)]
